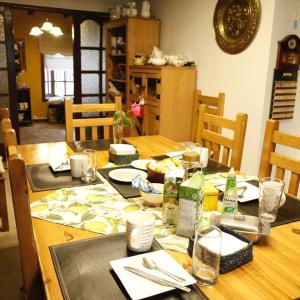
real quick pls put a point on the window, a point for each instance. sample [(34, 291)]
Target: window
[(58, 76)]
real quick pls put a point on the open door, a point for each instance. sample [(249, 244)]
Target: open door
[(8, 86), (89, 58)]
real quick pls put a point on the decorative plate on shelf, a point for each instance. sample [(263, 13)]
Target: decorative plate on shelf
[(236, 23)]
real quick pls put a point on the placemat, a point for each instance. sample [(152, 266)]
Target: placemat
[(213, 166), (288, 213), (124, 188), (41, 178), (84, 271), (79, 146)]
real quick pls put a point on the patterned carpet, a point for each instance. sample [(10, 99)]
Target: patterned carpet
[(42, 132)]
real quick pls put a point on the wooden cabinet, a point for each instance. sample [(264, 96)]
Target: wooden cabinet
[(168, 93), (24, 106), (126, 38)]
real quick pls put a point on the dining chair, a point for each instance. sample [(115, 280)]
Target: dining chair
[(75, 121), (32, 287), (215, 107), (5, 124), (272, 157), (228, 150)]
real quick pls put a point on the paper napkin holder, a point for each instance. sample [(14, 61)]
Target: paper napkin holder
[(231, 261), (123, 159)]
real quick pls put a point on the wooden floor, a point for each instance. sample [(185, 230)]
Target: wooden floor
[(42, 132)]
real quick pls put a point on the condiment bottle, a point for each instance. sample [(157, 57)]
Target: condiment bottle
[(230, 201), (190, 163)]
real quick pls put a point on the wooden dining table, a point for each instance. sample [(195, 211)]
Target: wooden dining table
[(274, 272)]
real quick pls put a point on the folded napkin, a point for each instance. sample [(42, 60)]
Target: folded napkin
[(122, 149), (229, 243), (58, 165)]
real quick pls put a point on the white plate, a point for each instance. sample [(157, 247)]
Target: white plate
[(126, 175), (251, 193), (139, 287), (141, 163)]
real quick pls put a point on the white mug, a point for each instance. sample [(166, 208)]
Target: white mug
[(139, 230), (78, 162)]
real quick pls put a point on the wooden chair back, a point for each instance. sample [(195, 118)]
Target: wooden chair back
[(215, 106), (282, 163), (73, 122), (227, 150), (31, 288), (6, 126), (4, 113)]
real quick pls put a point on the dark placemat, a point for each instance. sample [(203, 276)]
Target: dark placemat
[(212, 167), (288, 213), (42, 178), (84, 271), (79, 146), (124, 188)]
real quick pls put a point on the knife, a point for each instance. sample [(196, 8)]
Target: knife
[(156, 279)]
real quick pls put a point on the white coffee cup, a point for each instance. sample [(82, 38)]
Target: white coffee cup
[(139, 230), (78, 163)]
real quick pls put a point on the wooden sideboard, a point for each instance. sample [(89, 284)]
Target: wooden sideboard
[(168, 93)]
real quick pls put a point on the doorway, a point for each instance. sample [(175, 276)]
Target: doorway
[(46, 66)]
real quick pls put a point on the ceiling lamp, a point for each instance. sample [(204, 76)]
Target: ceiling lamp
[(47, 26), (36, 31), (56, 31)]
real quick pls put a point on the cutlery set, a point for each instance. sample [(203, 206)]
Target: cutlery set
[(151, 264)]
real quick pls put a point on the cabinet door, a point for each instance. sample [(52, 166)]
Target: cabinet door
[(151, 120), (152, 95), (137, 86)]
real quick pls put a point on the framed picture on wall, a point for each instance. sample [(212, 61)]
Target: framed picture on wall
[(19, 55)]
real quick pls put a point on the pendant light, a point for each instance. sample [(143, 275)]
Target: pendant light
[(47, 26), (36, 31), (56, 31)]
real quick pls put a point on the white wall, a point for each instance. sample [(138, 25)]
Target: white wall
[(90, 5), (285, 13), (245, 78)]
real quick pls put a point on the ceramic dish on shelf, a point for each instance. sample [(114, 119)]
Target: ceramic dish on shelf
[(125, 175)]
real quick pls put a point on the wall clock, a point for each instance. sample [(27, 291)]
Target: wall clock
[(288, 54), (235, 24)]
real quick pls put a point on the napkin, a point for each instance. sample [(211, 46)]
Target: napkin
[(58, 165), (229, 244), (122, 149)]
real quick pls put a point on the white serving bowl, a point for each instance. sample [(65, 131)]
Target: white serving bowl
[(153, 199), (157, 61)]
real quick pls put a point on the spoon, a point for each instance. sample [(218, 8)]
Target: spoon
[(150, 264), (243, 188)]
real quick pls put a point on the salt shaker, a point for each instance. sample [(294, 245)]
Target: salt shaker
[(204, 157)]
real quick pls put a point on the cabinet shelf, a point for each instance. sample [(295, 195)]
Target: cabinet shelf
[(117, 55), (117, 80), (134, 41)]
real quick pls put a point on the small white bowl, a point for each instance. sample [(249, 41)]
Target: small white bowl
[(154, 199)]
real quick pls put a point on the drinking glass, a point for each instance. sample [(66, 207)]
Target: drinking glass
[(270, 191), (207, 254), (89, 167)]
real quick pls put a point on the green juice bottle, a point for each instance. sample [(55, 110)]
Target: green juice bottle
[(230, 199)]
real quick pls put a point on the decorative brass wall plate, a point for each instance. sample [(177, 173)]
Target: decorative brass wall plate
[(236, 23)]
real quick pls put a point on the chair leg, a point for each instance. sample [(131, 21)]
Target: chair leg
[(3, 206)]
